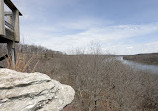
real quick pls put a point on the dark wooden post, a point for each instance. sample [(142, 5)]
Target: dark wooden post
[(11, 53)]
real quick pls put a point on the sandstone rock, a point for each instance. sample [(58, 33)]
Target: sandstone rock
[(32, 92)]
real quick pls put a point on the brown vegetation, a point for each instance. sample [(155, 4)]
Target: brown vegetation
[(102, 83), (143, 58), (110, 85)]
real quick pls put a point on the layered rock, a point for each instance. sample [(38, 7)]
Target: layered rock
[(32, 92)]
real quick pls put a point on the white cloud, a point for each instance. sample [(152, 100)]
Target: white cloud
[(103, 35), (85, 23), (129, 47), (151, 44)]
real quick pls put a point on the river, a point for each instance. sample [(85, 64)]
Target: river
[(140, 66)]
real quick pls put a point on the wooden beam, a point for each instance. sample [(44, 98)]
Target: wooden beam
[(8, 13), (11, 6), (16, 25), (2, 27), (9, 34), (2, 58), (3, 39)]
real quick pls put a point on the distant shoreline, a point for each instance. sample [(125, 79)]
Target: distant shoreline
[(148, 58)]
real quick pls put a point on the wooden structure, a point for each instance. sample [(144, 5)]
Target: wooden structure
[(9, 26)]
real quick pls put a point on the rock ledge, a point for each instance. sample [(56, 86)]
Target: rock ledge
[(32, 92)]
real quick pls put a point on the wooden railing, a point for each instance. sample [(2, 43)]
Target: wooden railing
[(9, 21), (9, 25)]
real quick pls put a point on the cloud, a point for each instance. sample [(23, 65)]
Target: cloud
[(129, 47), (103, 35), (151, 44), (48, 23)]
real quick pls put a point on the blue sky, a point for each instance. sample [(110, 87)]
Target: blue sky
[(119, 26)]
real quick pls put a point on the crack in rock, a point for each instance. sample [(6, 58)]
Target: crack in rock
[(32, 92), (24, 85), (24, 96)]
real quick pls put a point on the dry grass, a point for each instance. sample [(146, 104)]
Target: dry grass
[(23, 63)]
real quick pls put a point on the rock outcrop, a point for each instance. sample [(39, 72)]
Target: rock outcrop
[(32, 92)]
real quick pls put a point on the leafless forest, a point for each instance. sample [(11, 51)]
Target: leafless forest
[(101, 82), (151, 58)]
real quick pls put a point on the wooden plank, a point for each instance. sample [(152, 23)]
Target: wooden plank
[(11, 6), (3, 39), (2, 27), (8, 13), (9, 34), (9, 25)]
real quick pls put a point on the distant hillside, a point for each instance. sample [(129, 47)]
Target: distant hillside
[(31, 49), (148, 58), (148, 54)]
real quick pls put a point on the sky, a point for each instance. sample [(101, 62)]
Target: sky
[(118, 26)]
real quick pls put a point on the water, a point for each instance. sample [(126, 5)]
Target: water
[(140, 66)]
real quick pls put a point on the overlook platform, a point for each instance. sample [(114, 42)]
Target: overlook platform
[(9, 27), (9, 22)]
